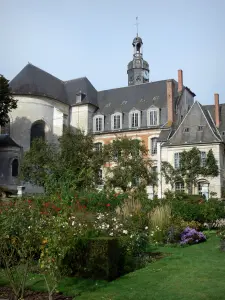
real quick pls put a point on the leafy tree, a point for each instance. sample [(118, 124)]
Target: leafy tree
[(128, 165), (7, 102), (190, 168), (72, 165)]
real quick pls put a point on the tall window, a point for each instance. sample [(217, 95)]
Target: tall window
[(98, 147), (98, 124), (134, 119), (37, 130), (100, 177), (153, 117), (176, 160), (15, 167), (203, 159), (179, 186), (154, 146), (116, 122)]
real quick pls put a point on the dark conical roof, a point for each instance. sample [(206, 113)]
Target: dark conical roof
[(34, 81)]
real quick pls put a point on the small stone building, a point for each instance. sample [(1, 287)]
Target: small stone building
[(10, 156)]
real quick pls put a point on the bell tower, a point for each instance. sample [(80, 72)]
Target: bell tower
[(138, 68)]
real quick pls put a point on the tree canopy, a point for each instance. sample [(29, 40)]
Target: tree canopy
[(7, 102)]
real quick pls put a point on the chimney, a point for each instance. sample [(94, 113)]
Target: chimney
[(170, 101), (180, 81), (217, 110)]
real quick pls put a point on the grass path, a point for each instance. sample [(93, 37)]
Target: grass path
[(195, 272)]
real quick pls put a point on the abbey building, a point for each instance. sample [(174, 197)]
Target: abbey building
[(163, 114)]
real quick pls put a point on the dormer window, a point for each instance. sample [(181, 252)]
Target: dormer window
[(134, 119), (98, 123), (153, 117), (79, 97), (116, 121)]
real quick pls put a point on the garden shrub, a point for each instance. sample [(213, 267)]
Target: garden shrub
[(97, 258), (191, 236)]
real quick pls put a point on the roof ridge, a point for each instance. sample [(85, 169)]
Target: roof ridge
[(130, 86), (84, 77), (43, 71)]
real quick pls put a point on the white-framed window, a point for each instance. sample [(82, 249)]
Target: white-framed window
[(98, 147), (176, 160), (153, 117), (203, 158), (179, 186), (154, 145), (134, 119), (116, 121), (98, 123)]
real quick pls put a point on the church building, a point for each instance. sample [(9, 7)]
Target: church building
[(153, 112)]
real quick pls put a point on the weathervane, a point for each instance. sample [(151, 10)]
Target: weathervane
[(136, 24)]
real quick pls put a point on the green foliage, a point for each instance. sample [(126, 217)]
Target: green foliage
[(73, 165), (20, 239), (190, 168), (128, 165), (7, 102), (99, 201), (96, 258)]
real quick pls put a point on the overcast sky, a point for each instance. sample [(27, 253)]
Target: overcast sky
[(93, 38)]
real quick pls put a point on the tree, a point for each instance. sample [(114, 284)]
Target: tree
[(190, 168), (72, 165), (127, 165), (7, 102)]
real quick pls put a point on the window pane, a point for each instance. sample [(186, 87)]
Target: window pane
[(98, 147), (176, 160), (98, 124), (154, 146), (117, 122), (179, 186), (153, 117), (134, 120), (203, 159)]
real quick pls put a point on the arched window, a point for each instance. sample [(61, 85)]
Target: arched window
[(98, 123), (116, 121), (37, 130), (15, 167), (153, 116)]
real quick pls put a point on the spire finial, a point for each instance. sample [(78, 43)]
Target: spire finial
[(137, 24)]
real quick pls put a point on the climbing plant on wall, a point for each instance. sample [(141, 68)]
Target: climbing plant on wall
[(191, 167)]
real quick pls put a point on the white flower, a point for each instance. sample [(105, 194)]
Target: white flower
[(131, 236), (146, 227), (152, 234), (111, 234), (125, 231), (114, 219), (73, 223), (107, 226)]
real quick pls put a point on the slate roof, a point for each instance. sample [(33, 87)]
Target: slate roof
[(6, 140), (197, 116), (34, 81), (211, 110)]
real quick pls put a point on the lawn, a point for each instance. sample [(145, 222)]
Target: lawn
[(194, 272)]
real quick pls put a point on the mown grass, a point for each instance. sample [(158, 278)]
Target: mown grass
[(195, 272)]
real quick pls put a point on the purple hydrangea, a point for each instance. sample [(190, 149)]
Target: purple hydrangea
[(191, 236)]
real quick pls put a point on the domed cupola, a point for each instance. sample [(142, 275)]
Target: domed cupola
[(138, 68)]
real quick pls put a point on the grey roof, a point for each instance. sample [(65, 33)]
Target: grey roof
[(140, 97), (211, 109), (83, 85), (34, 81), (164, 135), (6, 140), (197, 116)]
